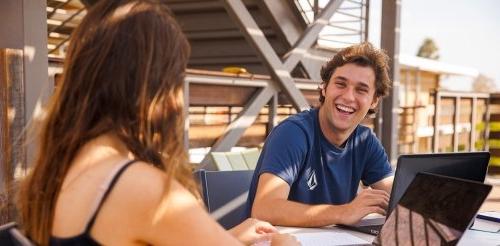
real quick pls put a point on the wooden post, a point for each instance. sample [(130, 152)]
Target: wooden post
[(12, 122)]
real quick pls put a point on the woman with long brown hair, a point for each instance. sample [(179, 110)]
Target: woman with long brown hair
[(111, 166)]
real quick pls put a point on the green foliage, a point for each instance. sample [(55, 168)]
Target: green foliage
[(484, 83), (428, 49)]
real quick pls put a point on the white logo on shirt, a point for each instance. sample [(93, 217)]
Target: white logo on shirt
[(311, 181)]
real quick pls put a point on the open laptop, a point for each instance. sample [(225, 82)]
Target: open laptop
[(435, 209), (465, 165)]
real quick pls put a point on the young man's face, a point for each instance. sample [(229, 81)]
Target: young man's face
[(349, 95)]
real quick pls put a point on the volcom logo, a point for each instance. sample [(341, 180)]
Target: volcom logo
[(311, 181)]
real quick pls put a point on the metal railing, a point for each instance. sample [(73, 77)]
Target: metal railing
[(457, 97), (346, 27)]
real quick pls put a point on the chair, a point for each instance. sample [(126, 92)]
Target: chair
[(11, 236), (237, 161), (221, 161), (225, 194), (244, 160), (251, 157)]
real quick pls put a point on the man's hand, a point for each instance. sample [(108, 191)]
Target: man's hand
[(366, 202)]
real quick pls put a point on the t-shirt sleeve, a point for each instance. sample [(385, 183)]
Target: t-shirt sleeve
[(377, 165), (284, 152)]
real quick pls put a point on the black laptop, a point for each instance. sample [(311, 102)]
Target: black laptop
[(435, 209), (465, 165)]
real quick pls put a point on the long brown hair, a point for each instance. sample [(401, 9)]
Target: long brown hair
[(124, 74)]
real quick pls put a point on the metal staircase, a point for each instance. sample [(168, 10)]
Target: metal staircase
[(217, 39), (276, 41)]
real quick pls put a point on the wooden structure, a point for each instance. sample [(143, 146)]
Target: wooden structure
[(435, 120), (12, 123), (211, 115)]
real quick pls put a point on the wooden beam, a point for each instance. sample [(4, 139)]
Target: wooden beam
[(473, 123), (437, 114), (456, 121), (12, 125)]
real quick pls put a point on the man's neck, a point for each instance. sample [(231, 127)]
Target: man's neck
[(334, 136)]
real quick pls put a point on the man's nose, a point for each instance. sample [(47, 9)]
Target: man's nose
[(348, 94)]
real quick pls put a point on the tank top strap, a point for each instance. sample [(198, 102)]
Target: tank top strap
[(107, 187)]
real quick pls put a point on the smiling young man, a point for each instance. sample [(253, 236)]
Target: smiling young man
[(311, 165)]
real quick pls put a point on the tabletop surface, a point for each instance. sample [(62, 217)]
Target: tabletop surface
[(471, 237)]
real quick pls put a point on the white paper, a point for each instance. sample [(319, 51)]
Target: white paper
[(472, 237), (486, 225), (328, 239)]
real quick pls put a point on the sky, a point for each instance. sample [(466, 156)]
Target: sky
[(467, 32)]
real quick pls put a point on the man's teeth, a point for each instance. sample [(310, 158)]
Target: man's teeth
[(345, 108)]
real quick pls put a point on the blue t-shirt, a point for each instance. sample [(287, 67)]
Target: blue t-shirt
[(317, 171)]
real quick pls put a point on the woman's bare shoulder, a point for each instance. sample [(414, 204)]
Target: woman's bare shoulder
[(142, 182), (141, 195), (144, 185), (168, 218)]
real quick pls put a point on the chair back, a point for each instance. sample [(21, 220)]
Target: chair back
[(225, 194), (243, 160), (237, 161), (251, 157), (221, 161), (11, 236)]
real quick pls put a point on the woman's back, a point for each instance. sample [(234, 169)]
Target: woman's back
[(136, 210), (116, 221)]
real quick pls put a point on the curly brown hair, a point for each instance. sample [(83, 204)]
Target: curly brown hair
[(363, 54)]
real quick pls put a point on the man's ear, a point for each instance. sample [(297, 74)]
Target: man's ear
[(375, 102), (322, 86)]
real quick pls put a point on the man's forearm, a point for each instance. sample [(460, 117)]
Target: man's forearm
[(288, 213)]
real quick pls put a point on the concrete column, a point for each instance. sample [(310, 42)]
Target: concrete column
[(390, 105)]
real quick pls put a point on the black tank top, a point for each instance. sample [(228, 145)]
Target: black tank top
[(85, 238)]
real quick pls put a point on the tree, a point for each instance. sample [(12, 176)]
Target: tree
[(428, 49), (483, 83)]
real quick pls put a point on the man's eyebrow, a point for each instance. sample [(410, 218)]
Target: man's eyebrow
[(363, 84), (339, 77)]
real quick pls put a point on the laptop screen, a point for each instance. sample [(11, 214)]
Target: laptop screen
[(434, 209), (465, 165)]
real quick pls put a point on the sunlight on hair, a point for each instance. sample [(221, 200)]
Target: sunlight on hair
[(11, 114), (21, 171), (122, 11)]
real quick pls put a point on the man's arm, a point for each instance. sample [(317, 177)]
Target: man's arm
[(271, 204), (385, 184)]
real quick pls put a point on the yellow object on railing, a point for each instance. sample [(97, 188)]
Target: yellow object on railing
[(235, 70), (493, 143), (480, 126), (494, 126), (495, 161)]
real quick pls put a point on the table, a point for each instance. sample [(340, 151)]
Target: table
[(471, 237)]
